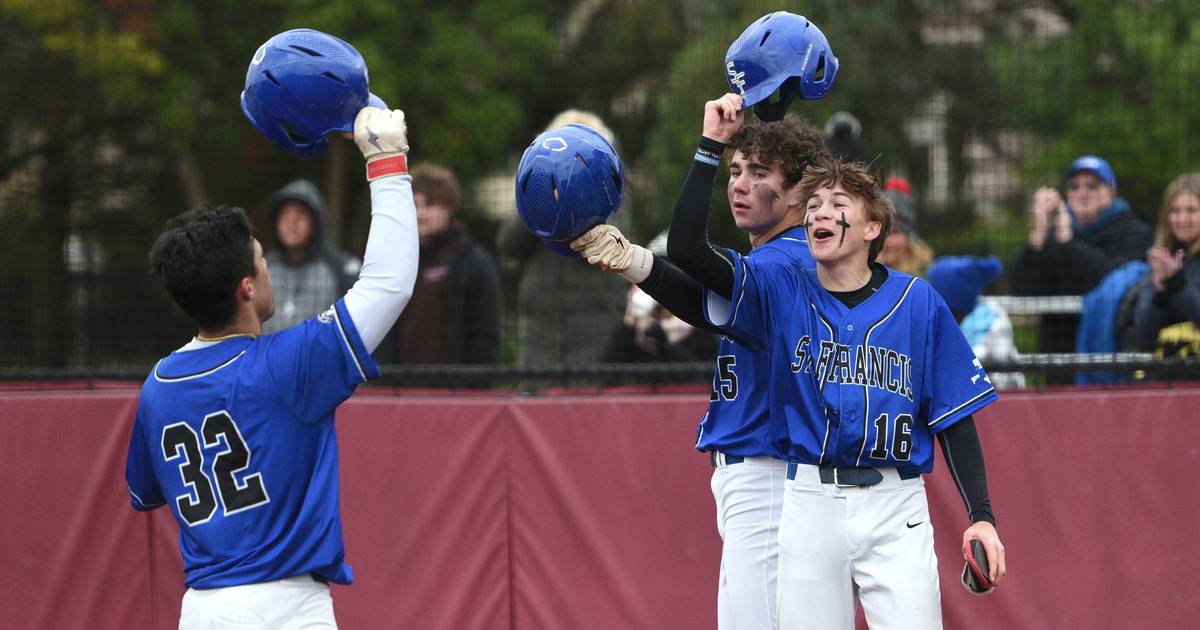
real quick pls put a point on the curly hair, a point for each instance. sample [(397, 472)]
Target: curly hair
[(860, 183), (791, 145), (201, 255)]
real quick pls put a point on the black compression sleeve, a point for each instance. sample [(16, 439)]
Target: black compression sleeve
[(687, 241), (964, 458), (678, 292)]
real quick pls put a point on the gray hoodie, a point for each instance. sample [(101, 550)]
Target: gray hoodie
[(304, 289)]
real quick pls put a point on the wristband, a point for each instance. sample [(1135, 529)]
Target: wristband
[(386, 167), (640, 263), (709, 151)]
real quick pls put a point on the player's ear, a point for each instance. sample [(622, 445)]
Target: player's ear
[(793, 197), (245, 289), (873, 230)]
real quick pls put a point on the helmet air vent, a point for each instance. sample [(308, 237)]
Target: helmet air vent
[(308, 51)]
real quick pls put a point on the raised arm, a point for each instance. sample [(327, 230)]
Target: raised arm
[(687, 242), (389, 268)]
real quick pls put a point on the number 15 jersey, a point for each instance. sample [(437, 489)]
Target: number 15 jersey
[(237, 438)]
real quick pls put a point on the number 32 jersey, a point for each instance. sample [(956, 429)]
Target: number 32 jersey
[(858, 387), (237, 438)]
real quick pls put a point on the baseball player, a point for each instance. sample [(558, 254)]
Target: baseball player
[(854, 382), (878, 367), (748, 450), (767, 161), (234, 431)]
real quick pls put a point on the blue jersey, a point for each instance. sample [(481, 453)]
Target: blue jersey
[(738, 418), (237, 438), (866, 386)]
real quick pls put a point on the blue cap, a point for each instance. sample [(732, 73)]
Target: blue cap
[(1095, 165), (961, 279)]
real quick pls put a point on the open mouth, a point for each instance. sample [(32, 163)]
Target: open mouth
[(822, 233)]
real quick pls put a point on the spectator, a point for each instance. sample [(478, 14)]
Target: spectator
[(1167, 311), (454, 314), (843, 138), (561, 302), (960, 280), (903, 250), (1073, 245), (650, 333), (307, 273)]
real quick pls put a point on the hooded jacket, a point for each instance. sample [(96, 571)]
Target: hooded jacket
[(310, 286)]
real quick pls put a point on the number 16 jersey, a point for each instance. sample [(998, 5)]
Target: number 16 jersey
[(866, 386)]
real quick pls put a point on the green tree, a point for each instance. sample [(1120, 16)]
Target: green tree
[(1119, 82), (889, 69)]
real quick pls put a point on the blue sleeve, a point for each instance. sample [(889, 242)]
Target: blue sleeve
[(144, 492), (762, 291), (318, 363), (955, 384)]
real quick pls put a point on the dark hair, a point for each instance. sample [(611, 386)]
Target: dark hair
[(438, 184), (860, 183), (791, 145), (201, 255)]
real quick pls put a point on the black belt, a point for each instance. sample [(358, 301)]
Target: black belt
[(319, 578), (847, 477), (729, 459)]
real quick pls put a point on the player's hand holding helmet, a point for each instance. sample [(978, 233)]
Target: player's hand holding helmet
[(382, 136), (723, 117), (605, 247)]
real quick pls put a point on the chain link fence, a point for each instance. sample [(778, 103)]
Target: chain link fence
[(117, 115)]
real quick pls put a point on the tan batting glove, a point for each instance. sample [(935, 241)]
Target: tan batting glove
[(381, 135), (605, 247)]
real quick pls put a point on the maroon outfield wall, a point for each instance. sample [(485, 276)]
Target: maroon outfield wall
[(594, 512)]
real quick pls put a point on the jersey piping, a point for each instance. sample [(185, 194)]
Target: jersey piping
[(177, 379), (821, 385), (866, 388), (959, 408), (349, 346)]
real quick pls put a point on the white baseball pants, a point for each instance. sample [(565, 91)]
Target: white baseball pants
[(289, 604), (840, 545), (749, 497)]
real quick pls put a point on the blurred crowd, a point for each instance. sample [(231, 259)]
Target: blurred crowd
[(1138, 284)]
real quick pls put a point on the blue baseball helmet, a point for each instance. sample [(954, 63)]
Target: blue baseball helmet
[(569, 181), (777, 58), (303, 84)]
